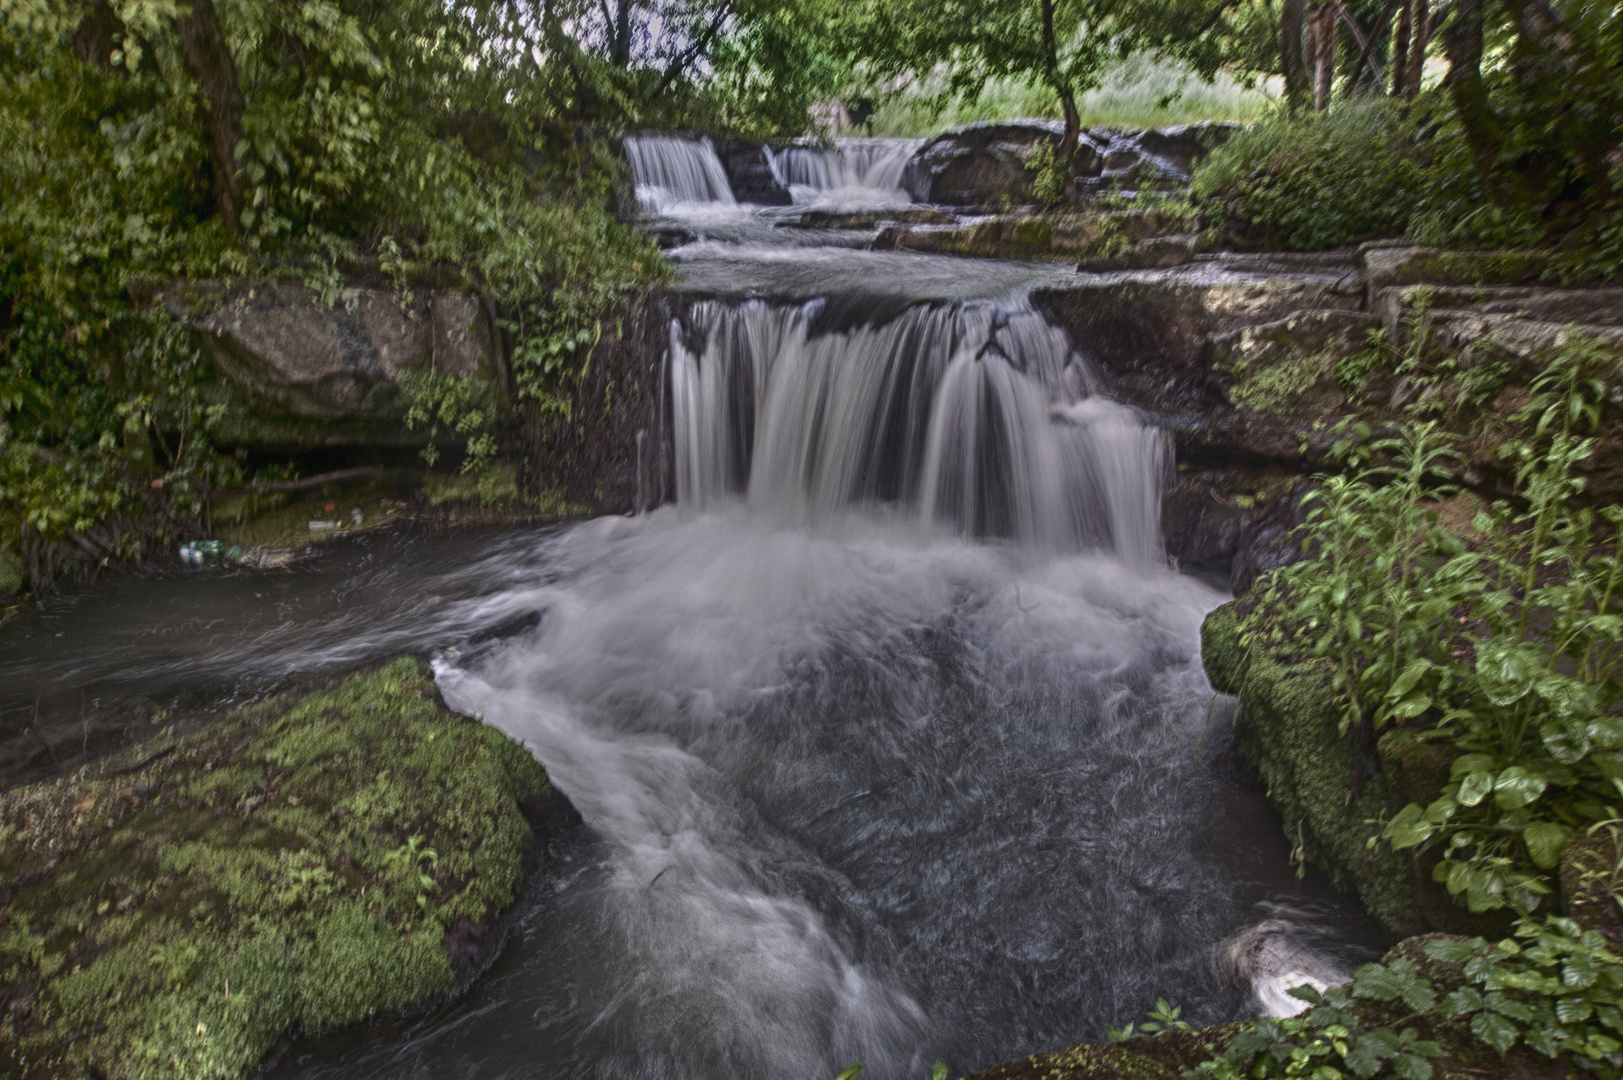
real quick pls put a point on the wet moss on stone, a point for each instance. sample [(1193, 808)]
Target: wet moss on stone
[(1289, 729), (301, 864)]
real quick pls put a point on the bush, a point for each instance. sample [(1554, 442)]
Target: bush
[(1367, 168)]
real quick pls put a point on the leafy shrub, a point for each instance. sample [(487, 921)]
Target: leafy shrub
[(1554, 987), (1319, 179), (1506, 650)]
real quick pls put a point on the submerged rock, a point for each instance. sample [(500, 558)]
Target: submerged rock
[(301, 864)]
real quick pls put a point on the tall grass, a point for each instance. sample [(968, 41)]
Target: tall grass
[(1137, 93)]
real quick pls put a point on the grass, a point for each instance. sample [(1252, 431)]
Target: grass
[(1133, 95), (302, 863)]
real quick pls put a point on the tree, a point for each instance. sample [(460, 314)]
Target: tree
[(1066, 45)]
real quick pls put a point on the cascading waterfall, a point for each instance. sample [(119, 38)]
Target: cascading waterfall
[(870, 166), (979, 417), (671, 171)]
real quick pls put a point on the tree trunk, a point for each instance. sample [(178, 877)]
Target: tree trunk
[(209, 59), (1380, 31), (1419, 38), (1324, 53), (1400, 49), (97, 34), (1292, 64), (1483, 133), (1067, 97)]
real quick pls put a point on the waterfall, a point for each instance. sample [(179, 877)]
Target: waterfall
[(870, 164), (670, 170), (978, 417)]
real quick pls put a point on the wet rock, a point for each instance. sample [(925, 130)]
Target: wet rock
[(1149, 330), (288, 353), (1154, 253), (750, 174), (1290, 366), (1043, 236), (980, 164), (1289, 730), (1267, 538), (1388, 266)]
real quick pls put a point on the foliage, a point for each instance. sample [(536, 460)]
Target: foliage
[(1052, 180), (366, 132), (297, 863), (1555, 988), (1505, 650), (1164, 1017), (1319, 179), (1138, 92)]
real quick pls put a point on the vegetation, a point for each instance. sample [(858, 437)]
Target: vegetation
[(1554, 989), (1501, 646), (302, 863)]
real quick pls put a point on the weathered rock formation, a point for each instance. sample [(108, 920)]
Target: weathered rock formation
[(1250, 360)]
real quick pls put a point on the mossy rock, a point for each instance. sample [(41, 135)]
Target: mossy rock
[(1289, 730), (302, 864)]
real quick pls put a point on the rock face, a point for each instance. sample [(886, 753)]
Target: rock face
[(985, 164), (750, 173), (1250, 360), (302, 373), (979, 164)]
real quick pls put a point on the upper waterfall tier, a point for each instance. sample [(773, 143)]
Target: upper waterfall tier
[(978, 417), (670, 170), (851, 172)]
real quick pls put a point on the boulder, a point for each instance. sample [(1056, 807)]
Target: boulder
[(1181, 147), (979, 164), (750, 172), (300, 372)]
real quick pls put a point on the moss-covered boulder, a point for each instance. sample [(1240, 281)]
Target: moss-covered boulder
[(301, 864), (1289, 729)]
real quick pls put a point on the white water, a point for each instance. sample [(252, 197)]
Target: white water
[(671, 171), (861, 793), (854, 174), (979, 418)]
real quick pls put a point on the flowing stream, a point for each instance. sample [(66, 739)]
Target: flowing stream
[(890, 735)]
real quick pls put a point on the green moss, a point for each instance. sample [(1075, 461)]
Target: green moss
[(1476, 267), (298, 864), (1276, 387), (1290, 731), (11, 571)]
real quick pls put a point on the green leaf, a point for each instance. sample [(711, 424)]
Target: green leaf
[(1508, 669), (1368, 1052), (1449, 951), (938, 1071), (1494, 1030), (1411, 1067), (850, 1072), (1517, 787), (1474, 788), (1465, 999), (1544, 840)]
